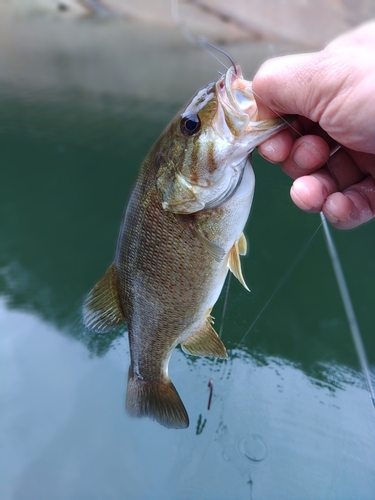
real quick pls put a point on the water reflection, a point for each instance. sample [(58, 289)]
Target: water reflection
[(270, 427)]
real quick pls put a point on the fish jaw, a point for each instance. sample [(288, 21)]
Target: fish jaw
[(240, 109)]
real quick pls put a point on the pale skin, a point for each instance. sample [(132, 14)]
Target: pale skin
[(330, 151)]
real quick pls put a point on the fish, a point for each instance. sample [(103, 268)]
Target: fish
[(181, 232)]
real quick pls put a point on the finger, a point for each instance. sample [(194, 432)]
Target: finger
[(308, 154), (277, 149), (284, 85), (365, 161), (340, 172), (310, 192), (344, 169), (353, 207)]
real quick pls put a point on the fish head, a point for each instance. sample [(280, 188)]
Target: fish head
[(205, 149)]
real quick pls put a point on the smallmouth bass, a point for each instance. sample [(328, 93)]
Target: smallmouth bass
[(182, 231)]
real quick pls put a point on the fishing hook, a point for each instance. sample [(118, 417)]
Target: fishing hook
[(202, 42)]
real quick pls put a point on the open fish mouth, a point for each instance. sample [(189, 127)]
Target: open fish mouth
[(240, 110), (240, 93), (237, 101)]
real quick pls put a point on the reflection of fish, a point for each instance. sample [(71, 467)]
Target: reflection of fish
[(182, 230)]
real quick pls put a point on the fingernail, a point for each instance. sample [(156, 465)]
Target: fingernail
[(330, 217), (307, 156), (265, 149), (297, 199)]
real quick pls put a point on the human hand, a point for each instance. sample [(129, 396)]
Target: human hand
[(333, 92)]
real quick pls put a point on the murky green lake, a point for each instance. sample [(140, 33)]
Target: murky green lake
[(291, 417)]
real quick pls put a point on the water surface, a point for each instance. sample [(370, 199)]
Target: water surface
[(290, 418)]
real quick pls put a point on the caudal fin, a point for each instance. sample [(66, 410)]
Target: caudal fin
[(158, 400)]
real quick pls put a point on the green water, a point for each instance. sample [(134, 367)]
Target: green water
[(291, 417)]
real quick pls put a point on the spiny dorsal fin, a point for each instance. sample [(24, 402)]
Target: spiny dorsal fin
[(157, 399), (102, 309), (242, 245), (205, 342), (234, 264)]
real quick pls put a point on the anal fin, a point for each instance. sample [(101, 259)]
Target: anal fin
[(102, 309), (205, 342)]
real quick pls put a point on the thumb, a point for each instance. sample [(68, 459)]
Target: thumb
[(287, 85)]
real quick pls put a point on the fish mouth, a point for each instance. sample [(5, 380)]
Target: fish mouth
[(240, 111), (239, 93)]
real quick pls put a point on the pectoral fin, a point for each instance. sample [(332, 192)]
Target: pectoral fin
[(242, 245), (234, 262), (102, 309), (205, 342), (214, 250)]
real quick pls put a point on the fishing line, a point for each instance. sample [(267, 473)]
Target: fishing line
[(225, 304), (348, 306), (342, 286), (205, 44), (278, 114), (175, 10), (341, 283), (282, 281), (200, 42)]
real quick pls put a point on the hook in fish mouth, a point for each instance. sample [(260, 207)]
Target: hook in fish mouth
[(240, 108), (237, 104)]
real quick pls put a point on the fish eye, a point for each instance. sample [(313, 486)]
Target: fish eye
[(190, 124)]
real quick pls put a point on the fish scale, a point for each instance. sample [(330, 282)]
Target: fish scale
[(182, 231)]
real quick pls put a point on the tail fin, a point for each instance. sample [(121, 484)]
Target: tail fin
[(158, 400)]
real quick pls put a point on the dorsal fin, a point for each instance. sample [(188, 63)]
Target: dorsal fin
[(234, 263), (102, 308), (205, 342)]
